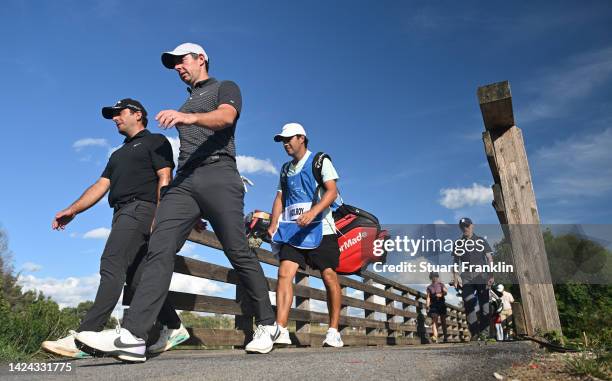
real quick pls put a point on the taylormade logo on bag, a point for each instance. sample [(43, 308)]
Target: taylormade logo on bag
[(353, 241)]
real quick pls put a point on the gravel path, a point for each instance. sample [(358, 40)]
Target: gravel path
[(453, 362)]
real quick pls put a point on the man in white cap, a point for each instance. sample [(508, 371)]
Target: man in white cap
[(207, 185), (303, 225)]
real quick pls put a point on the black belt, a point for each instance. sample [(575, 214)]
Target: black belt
[(209, 160), (121, 204)]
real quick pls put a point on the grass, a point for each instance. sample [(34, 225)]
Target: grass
[(594, 358)]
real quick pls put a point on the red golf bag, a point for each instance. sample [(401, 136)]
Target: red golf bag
[(357, 231)]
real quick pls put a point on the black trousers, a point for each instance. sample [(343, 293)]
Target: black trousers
[(216, 193), (476, 303), (121, 262)]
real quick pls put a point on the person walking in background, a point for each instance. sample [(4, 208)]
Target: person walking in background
[(475, 251), (436, 305), (506, 313)]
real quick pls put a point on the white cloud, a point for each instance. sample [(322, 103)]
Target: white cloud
[(176, 144), (193, 285), (113, 149), (89, 142), (67, 292), (439, 222), (188, 250), (563, 85), (455, 198), (318, 306), (250, 164), (98, 233), (272, 297), (576, 167), (31, 267), (245, 164)]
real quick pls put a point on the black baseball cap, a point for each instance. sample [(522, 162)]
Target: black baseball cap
[(110, 111), (465, 222)]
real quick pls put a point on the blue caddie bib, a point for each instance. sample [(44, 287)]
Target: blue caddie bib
[(299, 193)]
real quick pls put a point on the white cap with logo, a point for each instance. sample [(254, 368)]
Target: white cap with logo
[(290, 129), (168, 58)]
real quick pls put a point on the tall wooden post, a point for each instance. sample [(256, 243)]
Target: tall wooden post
[(515, 205)]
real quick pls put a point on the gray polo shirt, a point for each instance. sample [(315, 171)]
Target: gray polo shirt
[(198, 143)]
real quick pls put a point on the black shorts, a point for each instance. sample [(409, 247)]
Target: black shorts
[(323, 257), (437, 308)]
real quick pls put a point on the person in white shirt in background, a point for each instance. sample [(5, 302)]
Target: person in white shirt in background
[(506, 313)]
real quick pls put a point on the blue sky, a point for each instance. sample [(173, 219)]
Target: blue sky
[(387, 88)]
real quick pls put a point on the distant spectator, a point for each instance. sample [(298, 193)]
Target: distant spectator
[(506, 313), (473, 250), (436, 305)]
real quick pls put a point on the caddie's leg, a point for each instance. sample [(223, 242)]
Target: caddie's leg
[(284, 291), (334, 296)]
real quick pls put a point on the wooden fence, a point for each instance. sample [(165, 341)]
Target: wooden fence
[(400, 320)]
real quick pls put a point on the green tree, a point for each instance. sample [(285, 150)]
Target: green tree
[(81, 310), (27, 318), (193, 320), (581, 270)]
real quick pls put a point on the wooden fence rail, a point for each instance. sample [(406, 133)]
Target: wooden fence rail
[(399, 308)]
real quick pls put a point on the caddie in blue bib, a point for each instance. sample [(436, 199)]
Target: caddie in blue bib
[(299, 193)]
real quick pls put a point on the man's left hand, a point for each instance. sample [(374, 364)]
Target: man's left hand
[(490, 281), (306, 218), (171, 118)]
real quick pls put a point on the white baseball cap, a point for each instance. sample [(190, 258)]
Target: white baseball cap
[(168, 58), (290, 129)]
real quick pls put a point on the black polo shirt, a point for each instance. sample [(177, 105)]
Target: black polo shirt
[(474, 253), (132, 169)]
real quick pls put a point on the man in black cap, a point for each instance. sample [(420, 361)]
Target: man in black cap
[(207, 185), (135, 174), (472, 250)]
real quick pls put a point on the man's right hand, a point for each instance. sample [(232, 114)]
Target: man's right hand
[(62, 218)]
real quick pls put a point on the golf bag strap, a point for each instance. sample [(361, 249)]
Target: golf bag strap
[(317, 166), (283, 180), (317, 169)]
